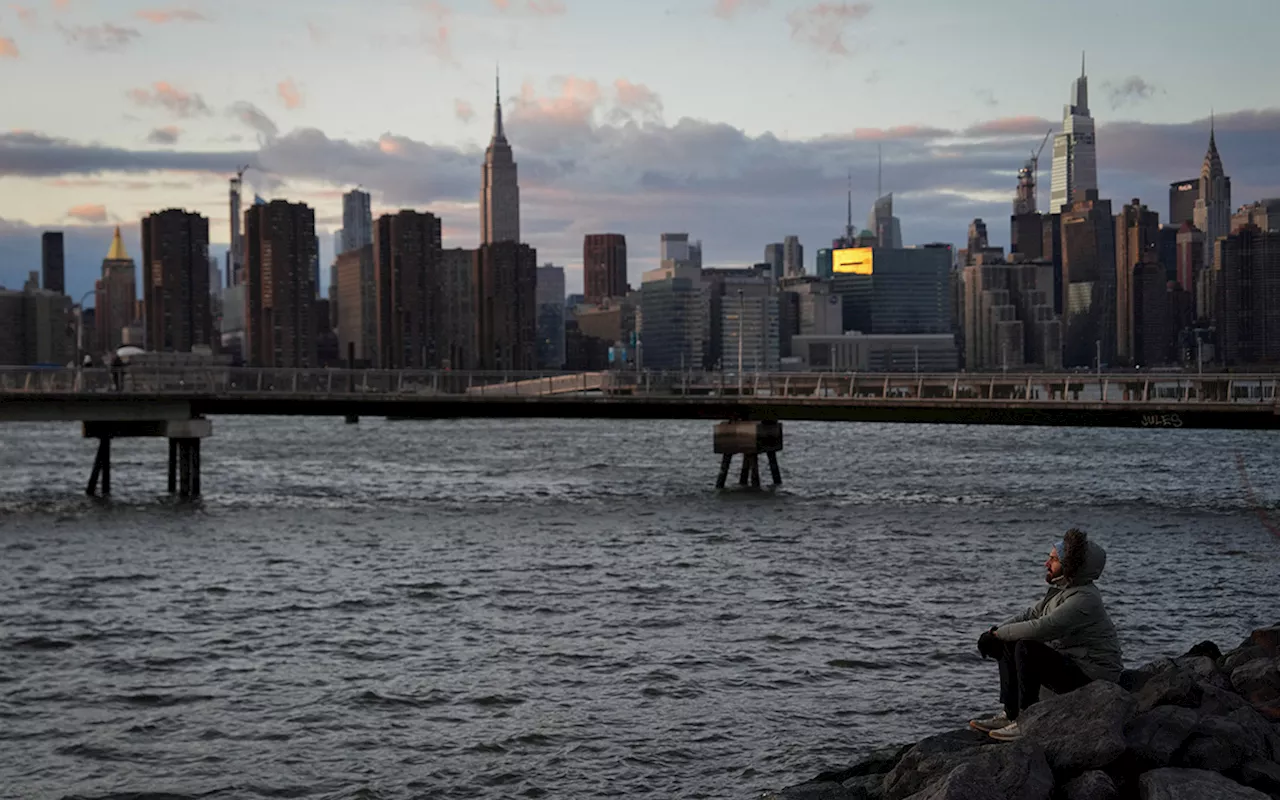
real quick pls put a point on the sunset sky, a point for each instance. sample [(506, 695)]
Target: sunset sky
[(733, 120)]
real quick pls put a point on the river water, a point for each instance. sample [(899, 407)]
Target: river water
[(567, 608)]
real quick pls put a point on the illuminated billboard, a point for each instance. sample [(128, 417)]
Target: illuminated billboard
[(852, 261)]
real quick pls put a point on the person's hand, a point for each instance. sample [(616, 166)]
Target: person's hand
[(989, 645)]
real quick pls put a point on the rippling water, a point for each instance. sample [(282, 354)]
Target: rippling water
[(567, 609)]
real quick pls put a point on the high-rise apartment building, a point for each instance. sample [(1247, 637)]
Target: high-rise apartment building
[(824, 263), (673, 320), (674, 247), (1248, 297), (458, 346), (775, 255), (175, 281), (884, 225), (357, 221), (53, 262), (550, 302), (1160, 311), (1137, 242), (604, 266), (1075, 157), (1088, 281), (280, 293), (500, 186), (1182, 201), (746, 325), (1265, 214), (792, 257), (357, 304), (34, 327), (977, 237), (505, 287), (1213, 207), (407, 254), (116, 295), (1191, 261)]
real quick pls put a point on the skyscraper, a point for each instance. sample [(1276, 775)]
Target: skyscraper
[(1213, 207), (604, 266), (505, 287), (175, 281), (458, 345), (792, 257), (674, 247), (1182, 201), (1137, 243), (775, 255), (53, 262), (1088, 281), (550, 301), (500, 189), (357, 221), (884, 225), (235, 254), (1248, 297), (407, 267), (280, 326), (357, 302), (1075, 158), (116, 295)]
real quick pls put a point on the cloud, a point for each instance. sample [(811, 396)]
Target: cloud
[(317, 34), (1011, 126), (163, 94), (900, 132), (88, 213), (463, 110), (163, 16), (540, 8), (1130, 91), (436, 36), (289, 94), (104, 38), (36, 155), (8, 48), (638, 100), (27, 15), (728, 9), (255, 118), (168, 135), (823, 25)]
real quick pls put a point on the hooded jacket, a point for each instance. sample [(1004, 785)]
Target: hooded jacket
[(1071, 618)]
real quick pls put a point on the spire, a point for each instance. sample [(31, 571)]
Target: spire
[(1212, 144), (879, 171), (117, 251), (848, 225), (1082, 74), (499, 135)]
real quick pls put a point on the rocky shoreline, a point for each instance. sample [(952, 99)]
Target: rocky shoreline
[(1205, 726)]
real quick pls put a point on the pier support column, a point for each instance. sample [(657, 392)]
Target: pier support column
[(173, 466), (748, 439), (183, 438), (101, 469)]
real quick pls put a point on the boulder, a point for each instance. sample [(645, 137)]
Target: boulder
[(1243, 655), (1092, 785), (1268, 639), (819, 790), (1220, 702), (1207, 649), (1171, 687), (1258, 682), (877, 762), (1156, 736), (1220, 744), (866, 787), (930, 759), (1131, 680), (1018, 769), (1193, 784), (1205, 671), (965, 782), (1261, 775), (1081, 730)]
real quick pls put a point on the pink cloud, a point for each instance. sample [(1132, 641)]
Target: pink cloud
[(463, 110), (162, 16), (573, 105), (539, 8), (638, 98), (728, 9), (8, 48), (165, 95), (289, 94), (823, 25), (900, 132), (1010, 126), (26, 14), (88, 213), (436, 37)]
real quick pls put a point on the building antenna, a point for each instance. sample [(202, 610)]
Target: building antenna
[(879, 170), (848, 224)]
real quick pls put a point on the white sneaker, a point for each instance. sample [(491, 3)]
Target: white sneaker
[(992, 723), (1008, 733)]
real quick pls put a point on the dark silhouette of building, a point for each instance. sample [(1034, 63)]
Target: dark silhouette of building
[(357, 304), (53, 262), (458, 346), (280, 326), (116, 295), (1088, 281), (1137, 242), (1051, 251), (175, 281), (505, 285), (407, 249), (1182, 201), (1248, 297), (582, 352), (1161, 311), (604, 266)]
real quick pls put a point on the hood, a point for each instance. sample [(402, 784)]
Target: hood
[(1083, 561), (1095, 560)]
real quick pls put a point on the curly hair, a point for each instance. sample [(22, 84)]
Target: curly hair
[(1076, 545)]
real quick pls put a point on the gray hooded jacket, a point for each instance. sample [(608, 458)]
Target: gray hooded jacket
[(1071, 618)]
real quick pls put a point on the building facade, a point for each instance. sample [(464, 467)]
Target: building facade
[(856, 352), (1075, 155), (1088, 281), (505, 287), (409, 280), (500, 187), (175, 282), (1008, 317), (792, 257), (116, 295), (1213, 206), (357, 305), (459, 344), (604, 266), (53, 262), (1182, 201), (550, 301), (1248, 297), (673, 320), (899, 291), (357, 221), (36, 327), (1137, 242), (280, 292)]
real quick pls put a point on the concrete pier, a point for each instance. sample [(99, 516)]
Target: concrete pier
[(750, 440), (184, 451)]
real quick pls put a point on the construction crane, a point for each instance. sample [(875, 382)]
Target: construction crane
[(1025, 200)]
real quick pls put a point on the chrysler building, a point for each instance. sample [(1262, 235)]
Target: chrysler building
[(499, 190)]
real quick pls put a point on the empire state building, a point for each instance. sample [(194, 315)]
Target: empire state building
[(500, 189)]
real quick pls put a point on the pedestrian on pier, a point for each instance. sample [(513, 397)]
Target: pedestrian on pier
[(117, 372), (1063, 642)]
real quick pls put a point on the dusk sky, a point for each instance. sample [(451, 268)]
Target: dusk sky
[(733, 120)]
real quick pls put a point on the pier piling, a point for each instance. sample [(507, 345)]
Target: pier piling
[(748, 439)]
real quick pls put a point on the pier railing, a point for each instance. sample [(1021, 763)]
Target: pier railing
[(1114, 387)]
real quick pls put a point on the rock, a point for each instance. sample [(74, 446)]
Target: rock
[(877, 762), (1220, 744), (1268, 639), (1020, 770), (1131, 680), (867, 787), (965, 782), (1193, 784), (1258, 682), (1245, 654), (930, 759), (1080, 730), (1171, 687), (1206, 649), (1220, 702), (1156, 736), (824, 790), (1092, 785), (1261, 775), (1205, 670)]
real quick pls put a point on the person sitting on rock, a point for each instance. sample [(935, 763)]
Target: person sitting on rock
[(1062, 642)]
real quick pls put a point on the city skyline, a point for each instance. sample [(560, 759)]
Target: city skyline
[(628, 154)]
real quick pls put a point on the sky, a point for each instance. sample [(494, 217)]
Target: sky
[(737, 121)]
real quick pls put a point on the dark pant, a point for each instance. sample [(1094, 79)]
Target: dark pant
[(1025, 666)]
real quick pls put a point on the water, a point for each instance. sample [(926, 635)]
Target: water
[(566, 609)]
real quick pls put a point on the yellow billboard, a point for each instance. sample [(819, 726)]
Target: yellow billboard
[(852, 261)]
